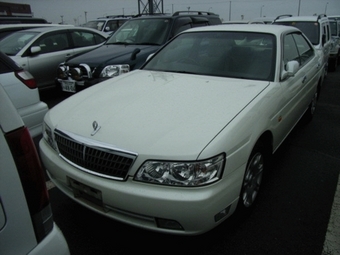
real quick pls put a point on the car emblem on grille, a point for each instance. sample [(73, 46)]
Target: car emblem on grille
[(96, 128)]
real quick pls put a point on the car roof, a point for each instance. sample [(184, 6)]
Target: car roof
[(60, 28), (312, 18), (28, 26), (178, 14), (256, 28)]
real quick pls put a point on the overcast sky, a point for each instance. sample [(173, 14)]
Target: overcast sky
[(77, 11)]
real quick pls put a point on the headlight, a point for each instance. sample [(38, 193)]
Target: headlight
[(194, 173), (47, 134), (114, 70)]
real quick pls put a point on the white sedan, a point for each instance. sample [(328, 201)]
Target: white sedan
[(178, 145)]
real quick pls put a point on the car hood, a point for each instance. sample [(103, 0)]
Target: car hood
[(112, 54), (156, 113)]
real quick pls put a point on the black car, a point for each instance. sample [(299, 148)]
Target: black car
[(128, 48)]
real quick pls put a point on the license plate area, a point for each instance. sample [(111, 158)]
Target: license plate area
[(86, 192), (68, 86)]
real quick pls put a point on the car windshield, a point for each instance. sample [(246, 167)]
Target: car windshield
[(13, 43), (334, 27), (142, 31), (242, 55), (95, 24), (310, 29)]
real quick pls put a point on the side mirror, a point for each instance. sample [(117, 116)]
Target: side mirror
[(290, 70), (35, 49), (107, 29)]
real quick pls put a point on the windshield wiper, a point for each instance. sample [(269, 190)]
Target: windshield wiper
[(119, 43), (147, 43)]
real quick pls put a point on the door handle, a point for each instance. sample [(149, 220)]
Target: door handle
[(304, 79)]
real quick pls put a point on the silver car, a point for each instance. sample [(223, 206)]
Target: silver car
[(40, 50)]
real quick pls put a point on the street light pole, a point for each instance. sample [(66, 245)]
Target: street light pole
[(299, 8), (261, 11), (229, 10), (326, 8)]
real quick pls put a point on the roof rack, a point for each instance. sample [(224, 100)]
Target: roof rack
[(283, 16), (149, 14), (116, 16), (193, 12)]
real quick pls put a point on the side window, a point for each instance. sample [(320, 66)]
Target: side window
[(305, 50), (290, 51), (112, 25), (83, 39), (326, 32), (52, 43)]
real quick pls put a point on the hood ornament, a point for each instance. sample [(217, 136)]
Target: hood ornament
[(96, 128)]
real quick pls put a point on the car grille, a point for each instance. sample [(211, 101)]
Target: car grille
[(94, 159)]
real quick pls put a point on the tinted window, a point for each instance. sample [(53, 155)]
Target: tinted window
[(290, 52), (142, 31), (84, 38), (310, 29), (305, 50), (13, 43), (52, 42)]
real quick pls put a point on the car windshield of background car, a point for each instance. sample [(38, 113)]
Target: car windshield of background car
[(243, 55), (142, 31), (334, 27), (98, 24), (310, 29), (13, 43)]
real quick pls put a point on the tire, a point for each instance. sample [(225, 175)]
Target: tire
[(252, 178), (333, 64), (311, 108)]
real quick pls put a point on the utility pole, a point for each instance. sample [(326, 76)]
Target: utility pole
[(85, 16)]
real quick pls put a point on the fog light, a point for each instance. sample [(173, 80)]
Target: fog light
[(169, 224), (222, 214), (62, 72), (76, 73)]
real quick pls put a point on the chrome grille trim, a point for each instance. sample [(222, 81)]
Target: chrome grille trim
[(94, 157)]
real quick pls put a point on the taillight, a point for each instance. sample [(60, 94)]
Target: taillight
[(33, 180), (26, 78)]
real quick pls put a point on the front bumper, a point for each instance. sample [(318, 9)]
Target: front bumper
[(196, 210)]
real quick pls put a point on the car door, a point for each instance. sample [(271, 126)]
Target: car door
[(55, 48), (297, 90)]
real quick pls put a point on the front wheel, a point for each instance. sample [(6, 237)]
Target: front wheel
[(311, 108), (252, 178)]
